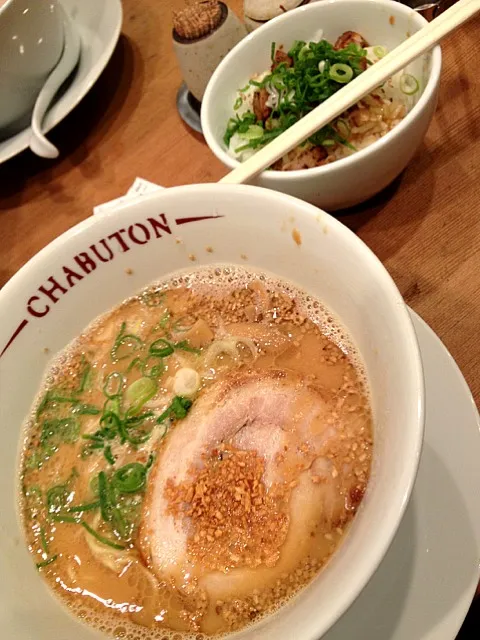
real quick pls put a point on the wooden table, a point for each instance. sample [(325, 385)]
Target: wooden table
[(425, 228)]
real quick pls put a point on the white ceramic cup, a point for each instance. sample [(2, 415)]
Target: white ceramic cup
[(31, 43), (359, 176), (57, 293)]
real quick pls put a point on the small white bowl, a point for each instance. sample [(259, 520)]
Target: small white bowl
[(62, 289), (355, 178)]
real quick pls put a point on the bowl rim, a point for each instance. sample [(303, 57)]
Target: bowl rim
[(426, 96), (378, 550)]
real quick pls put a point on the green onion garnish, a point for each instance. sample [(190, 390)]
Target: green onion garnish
[(140, 392), (185, 323), (130, 478), (178, 409), (113, 385), (341, 73), (380, 52), (161, 348), (85, 410), (152, 370), (85, 376), (107, 452), (238, 103), (43, 540), (125, 344), (183, 345), (80, 508), (315, 75), (103, 495), (61, 517), (408, 84), (45, 563), (57, 498), (101, 538)]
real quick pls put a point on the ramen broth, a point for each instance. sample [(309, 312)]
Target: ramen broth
[(196, 456)]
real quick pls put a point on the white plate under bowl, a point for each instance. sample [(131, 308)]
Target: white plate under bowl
[(99, 23)]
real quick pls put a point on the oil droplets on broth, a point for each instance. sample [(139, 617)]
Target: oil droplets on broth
[(196, 456)]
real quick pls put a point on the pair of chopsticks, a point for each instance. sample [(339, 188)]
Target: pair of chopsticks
[(374, 76)]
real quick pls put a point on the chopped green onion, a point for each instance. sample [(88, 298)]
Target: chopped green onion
[(93, 436), (304, 51), (178, 409), (164, 320), (152, 370), (86, 410), (380, 52), (80, 508), (45, 563), (43, 540), (185, 323), (343, 128), (110, 426), (61, 517), (107, 452), (136, 362), (125, 344), (341, 73), (53, 397), (238, 103), (140, 392), (103, 495), (133, 421), (130, 478), (113, 385), (85, 375), (253, 131), (55, 432), (150, 461), (63, 399), (57, 498), (101, 538), (153, 297), (408, 84), (113, 406), (119, 522), (272, 51), (43, 404), (125, 436), (183, 345), (161, 348), (328, 143)]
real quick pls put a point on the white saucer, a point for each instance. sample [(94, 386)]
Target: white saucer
[(99, 23), (424, 586)]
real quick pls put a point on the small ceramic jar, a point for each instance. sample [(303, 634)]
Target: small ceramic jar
[(257, 12), (203, 34)]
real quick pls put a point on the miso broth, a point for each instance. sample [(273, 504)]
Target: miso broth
[(196, 456)]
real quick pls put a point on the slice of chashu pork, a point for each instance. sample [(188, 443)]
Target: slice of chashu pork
[(284, 420)]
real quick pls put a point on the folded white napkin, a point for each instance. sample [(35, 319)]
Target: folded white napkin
[(139, 188)]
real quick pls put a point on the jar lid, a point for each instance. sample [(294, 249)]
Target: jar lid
[(263, 10), (198, 19)]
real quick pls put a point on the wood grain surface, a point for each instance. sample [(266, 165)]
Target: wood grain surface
[(425, 228)]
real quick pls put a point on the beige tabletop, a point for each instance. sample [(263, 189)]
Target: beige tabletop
[(425, 228)]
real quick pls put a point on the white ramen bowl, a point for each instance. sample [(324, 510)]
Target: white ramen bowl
[(351, 180), (44, 306)]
